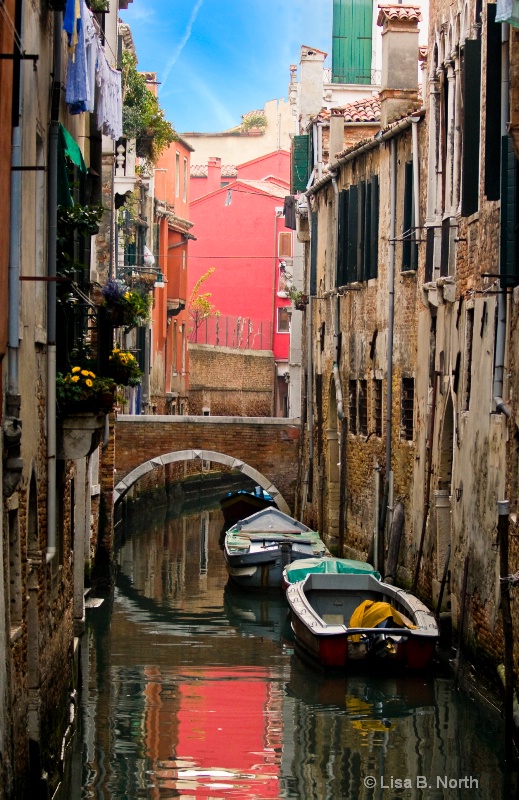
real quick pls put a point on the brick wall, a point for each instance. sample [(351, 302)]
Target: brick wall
[(231, 382), (271, 448)]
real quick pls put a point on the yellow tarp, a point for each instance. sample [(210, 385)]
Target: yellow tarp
[(371, 613)]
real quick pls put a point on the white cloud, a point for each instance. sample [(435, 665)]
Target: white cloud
[(171, 62)]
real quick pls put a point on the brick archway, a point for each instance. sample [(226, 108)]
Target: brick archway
[(199, 455)]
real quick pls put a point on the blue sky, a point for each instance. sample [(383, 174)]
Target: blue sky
[(218, 59)]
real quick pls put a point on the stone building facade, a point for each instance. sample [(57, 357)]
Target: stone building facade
[(410, 355)]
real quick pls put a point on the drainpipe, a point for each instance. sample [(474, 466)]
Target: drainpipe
[(336, 313), (12, 426), (502, 407), (51, 292), (391, 315)]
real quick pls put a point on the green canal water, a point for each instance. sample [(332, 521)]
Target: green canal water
[(193, 690)]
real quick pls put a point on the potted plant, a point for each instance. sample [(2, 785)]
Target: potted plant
[(124, 368), (298, 297), (81, 391), (83, 400), (125, 307)]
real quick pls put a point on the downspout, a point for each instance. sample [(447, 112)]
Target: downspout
[(51, 292), (502, 407), (336, 318), (12, 426), (391, 315)]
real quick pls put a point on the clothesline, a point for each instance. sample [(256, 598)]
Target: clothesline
[(92, 83), (106, 43)]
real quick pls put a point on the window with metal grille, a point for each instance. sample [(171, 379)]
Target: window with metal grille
[(469, 336), (363, 408), (377, 407), (353, 405), (407, 410)]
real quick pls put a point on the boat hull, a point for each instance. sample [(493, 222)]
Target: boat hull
[(328, 640), (259, 547), (240, 505)]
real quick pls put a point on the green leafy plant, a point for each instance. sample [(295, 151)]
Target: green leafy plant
[(254, 119), (80, 386), (199, 304), (143, 118), (124, 368), (299, 298)]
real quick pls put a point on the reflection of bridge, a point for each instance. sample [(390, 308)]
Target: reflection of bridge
[(264, 449)]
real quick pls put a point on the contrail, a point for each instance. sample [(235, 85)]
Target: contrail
[(182, 43)]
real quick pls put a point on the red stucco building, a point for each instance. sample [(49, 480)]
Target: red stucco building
[(240, 231)]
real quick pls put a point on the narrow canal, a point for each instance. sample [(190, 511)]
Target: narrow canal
[(193, 690)]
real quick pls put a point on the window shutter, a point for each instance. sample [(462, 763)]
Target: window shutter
[(429, 255), (313, 255), (353, 235), (366, 242), (374, 227), (508, 266), (408, 217), (300, 164), (342, 237), (471, 91), (445, 247), (492, 105)]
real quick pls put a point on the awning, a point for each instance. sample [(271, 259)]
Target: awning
[(68, 148)]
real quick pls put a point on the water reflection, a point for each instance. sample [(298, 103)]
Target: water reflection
[(194, 691)]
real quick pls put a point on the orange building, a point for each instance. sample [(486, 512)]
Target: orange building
[(169, 383)]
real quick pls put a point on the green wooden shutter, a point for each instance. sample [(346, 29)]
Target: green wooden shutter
[(352, 41), (368, 221), (508, 266), (353, 235), (492, 105), (471, 91), (409, 246), (313, 254), (374, 227), (342, 232), (300, 163)]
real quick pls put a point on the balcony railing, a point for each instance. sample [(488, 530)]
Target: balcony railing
[(229, 331)]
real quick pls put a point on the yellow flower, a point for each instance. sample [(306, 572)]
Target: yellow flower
[(89, 383), (116, 350), (123, 359), (91, 374), (85, 373), (75, 369), (75, 378)]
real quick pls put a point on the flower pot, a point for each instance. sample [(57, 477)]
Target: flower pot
[(78, 435)]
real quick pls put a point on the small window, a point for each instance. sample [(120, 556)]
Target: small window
[(285, 245), (283, 320), (184, 185), (363, 408), (407, 410), (469, 336), (177, 175), (377, 407), (352, 402)]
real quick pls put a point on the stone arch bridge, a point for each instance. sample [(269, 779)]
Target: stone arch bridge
[(265, 449)]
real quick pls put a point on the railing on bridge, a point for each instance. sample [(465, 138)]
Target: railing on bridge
[(235, 332)]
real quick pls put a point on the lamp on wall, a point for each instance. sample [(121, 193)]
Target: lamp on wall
[(159, 281)]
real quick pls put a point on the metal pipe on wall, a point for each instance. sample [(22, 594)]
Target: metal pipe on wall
[(52, 195)]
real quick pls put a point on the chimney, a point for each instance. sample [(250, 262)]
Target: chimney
[(336, 144), (311, 84), (214, 173), (399, 84)]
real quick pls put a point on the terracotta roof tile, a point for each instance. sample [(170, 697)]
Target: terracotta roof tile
[(400, 13), (367, 109), (200, 171)]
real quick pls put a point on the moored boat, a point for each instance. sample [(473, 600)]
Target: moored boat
[(298, 570), (258, 548), (242, 503), (339, 619)]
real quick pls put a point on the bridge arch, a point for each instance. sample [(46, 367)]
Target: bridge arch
[(198, 455)]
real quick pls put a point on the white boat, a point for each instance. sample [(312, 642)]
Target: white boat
[(338, 619), (258, 548)]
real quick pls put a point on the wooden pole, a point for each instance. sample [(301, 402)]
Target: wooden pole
[(508, 632)]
